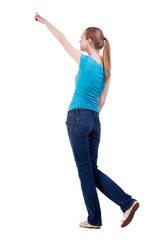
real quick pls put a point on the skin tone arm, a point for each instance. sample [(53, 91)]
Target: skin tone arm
[(103, 95), (73, 52)]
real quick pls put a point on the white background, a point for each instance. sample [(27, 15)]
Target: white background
[(40, 196)]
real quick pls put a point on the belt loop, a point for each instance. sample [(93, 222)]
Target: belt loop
[(96, 114), (76, 111)]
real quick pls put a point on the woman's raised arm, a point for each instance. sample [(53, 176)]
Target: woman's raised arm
[(73, 52)]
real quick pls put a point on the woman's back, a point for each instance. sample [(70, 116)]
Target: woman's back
[(89, 83)]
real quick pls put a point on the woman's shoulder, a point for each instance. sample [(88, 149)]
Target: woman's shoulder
[(83, 59)]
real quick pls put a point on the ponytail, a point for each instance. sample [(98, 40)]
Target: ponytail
[(106, 59)]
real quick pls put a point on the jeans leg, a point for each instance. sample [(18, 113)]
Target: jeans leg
[(111, 190), (105, 184), (80, 146)]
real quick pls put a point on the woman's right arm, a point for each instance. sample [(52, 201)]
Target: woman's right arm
[(73, 52)]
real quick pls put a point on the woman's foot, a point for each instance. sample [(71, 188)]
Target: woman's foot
[(85, 224), (129, 214)]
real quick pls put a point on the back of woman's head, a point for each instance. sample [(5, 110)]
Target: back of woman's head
[(99, 41)]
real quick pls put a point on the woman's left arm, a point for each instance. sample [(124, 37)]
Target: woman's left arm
[(103, 95)]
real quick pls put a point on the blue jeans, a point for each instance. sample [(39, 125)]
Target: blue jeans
[(83, 127)]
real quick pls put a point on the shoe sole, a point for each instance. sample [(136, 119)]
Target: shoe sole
[(90, 227), (131, 215)]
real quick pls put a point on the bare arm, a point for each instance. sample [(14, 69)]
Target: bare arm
[(73, 52), (103, 95)]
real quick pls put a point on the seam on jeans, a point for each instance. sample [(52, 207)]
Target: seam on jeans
[(81, 133)]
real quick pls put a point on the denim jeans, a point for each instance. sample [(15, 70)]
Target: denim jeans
[(84, 128)]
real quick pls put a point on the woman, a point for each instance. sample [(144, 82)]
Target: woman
[(83, 124)]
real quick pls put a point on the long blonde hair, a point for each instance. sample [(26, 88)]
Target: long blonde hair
[(107, 59), (101, 42)]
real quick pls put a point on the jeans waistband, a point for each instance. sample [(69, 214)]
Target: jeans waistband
[(78, 111)]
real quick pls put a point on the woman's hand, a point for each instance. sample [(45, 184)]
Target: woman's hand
[(39, 18)]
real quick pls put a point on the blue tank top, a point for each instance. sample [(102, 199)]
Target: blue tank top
[(89, 84)]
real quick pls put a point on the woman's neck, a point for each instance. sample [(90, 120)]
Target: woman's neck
[(95, 54)]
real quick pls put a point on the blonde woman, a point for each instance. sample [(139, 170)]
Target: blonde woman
[(83, 124)]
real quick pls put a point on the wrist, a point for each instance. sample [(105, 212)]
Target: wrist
[(44, 21)]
